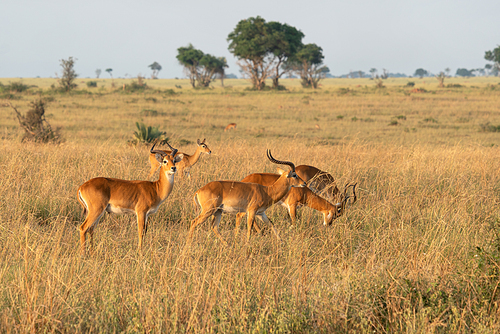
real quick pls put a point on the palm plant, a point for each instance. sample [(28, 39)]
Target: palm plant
[(145, 134)]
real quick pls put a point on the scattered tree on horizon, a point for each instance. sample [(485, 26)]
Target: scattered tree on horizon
[(308, 64), (200, 67), (221, 69), (494, 56), (385, 74), (68, 77), (109, 70), (156, 69), (463, 72), (440, 77), (373, 72), (420, 72), (98, 73)]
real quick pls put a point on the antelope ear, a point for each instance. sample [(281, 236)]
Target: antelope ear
[(159, 157), (178, 157), (280, 171)]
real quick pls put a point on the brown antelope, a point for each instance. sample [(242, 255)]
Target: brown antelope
[(297, 197), (186, 163), (233, 197), (143, 198), (318, 181), (230, 126)]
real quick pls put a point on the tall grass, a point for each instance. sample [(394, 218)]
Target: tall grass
[(418, 252)]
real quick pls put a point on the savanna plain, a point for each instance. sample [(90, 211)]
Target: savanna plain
[(419, 252)]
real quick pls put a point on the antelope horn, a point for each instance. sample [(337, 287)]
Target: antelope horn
[(174, 150), (353, 192), (152, 150), (288, 163)]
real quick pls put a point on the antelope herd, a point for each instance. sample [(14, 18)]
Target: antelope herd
[(299, 186)]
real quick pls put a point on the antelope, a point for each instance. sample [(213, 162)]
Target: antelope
[(230, 126), (143, 198), (317, 180), (233, 197), (184, 164), (297, 197)]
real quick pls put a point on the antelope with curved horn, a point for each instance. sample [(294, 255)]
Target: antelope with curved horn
[(186, 163), (233, 197), (297, 197), (143, 198)]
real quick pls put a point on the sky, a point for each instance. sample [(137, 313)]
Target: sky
[(127, 36)]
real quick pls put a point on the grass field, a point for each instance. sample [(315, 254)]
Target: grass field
[(419, 252)]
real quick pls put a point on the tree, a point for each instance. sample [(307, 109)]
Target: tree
[(200, 67), (420, 72), (285, 41), (209, 66), (463, 72), (250, 42), (156, 69), (68, 77), (109, 70), (189, 57), (308, 64), (494, 56), (440, 77), (385, 74), (263, 48), (373, 71), (98, 73), (221, 69)]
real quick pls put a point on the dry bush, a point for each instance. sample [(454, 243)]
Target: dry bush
[(35, 125)]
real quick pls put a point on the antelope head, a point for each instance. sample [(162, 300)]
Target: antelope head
[(167, 161), (340, 207)]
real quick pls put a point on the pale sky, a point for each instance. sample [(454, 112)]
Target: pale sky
[(127, 36)]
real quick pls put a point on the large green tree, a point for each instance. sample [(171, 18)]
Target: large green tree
[(250, 42), (285, 41), (308, 64), (494, 56), (190, 58), (262, 48)]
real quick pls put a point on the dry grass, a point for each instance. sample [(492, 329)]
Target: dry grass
[(418, 252)]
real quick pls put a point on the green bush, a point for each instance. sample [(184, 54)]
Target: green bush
[(145, 134), (91, 84)]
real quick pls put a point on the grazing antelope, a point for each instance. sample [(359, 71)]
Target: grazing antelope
[(143, 198), (233, 197), (230, 126), (318, 181), (186, 163), (297, 197)]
